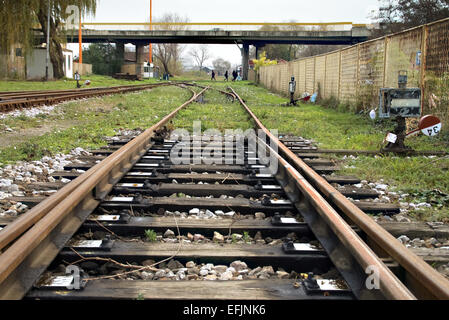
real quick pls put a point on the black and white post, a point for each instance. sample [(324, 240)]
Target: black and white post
[(47, 59)]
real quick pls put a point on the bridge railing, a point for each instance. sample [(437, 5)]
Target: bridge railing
[(222, 26)]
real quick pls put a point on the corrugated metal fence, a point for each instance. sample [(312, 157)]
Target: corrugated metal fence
[(355, 74)]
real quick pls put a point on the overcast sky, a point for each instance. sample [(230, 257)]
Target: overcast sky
[(356, 11)]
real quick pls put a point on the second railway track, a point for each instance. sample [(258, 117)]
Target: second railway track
[(308, 241), (10, 101)]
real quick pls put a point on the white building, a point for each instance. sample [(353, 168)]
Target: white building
[(36, 64), (68, 63)]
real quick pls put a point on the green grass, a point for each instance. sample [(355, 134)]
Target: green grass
[(333, 129), (425, 179), (65, 84), (151, 235), (246, 238), (216, 113), (93, 120), (406, 173)]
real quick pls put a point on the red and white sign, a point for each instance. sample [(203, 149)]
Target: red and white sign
[(430, 125)]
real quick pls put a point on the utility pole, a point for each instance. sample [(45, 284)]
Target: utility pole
[(80, 42), (151, 28), (47, 60)]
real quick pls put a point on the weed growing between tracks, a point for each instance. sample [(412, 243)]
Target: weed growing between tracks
[(217, 112), (90, 122)]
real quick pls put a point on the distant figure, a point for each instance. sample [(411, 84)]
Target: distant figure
[(226, 76), (234, 75), (77, 77), (213, 76)]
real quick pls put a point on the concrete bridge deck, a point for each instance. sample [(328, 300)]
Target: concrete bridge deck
[(256, 38)]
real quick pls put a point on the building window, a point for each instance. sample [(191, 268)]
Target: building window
[(18, 52), (68, 63)]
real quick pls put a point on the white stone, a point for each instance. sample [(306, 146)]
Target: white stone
[(226, 276), (231, 269), (259, 215), (194, 211), (169, 234), (382, 186), (404, 239), (146, 275), (220, 269), (239, 265), (218, 237), (230, 213), (204, 272)]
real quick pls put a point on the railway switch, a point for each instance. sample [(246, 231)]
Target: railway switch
[(399, 103)]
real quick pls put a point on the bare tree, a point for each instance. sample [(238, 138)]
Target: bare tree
[(200, 54), (168, 54), (397, 15), (221, 65)]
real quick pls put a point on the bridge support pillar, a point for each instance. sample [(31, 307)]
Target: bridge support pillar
[(120, 51), (259, 50), (245, 61), (140, 53), (141, 57)]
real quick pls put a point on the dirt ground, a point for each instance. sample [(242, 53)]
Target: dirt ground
[(23, 135)]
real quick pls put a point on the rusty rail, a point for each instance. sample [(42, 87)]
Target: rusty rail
[(14, 100), (56, 219), (424, 281), (24, 222)]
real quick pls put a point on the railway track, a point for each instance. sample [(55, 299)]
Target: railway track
[(10, 101), (136, 222)]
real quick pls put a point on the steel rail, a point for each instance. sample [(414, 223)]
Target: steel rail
[(226, 93), (25, 260), (390, 286), (28, 100), (24, 222), (26, 93), (31, 92), (424, 281)]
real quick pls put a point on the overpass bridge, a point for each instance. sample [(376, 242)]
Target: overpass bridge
[(244, 34), (218, 36)]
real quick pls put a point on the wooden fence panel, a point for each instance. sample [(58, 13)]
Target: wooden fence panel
[(348, 79), (355, 74)]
